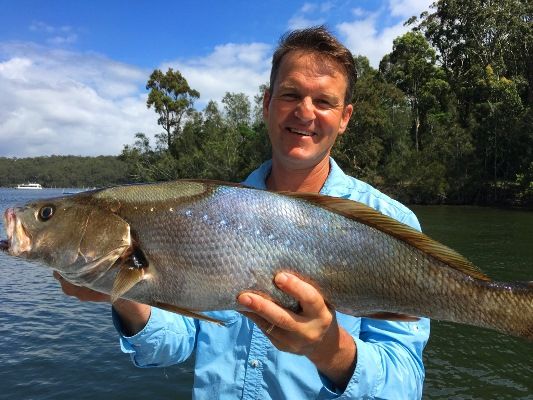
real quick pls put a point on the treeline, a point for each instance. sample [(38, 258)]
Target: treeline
[(63, 171)]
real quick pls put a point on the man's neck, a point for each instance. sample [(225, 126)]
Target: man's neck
[(283, 178)]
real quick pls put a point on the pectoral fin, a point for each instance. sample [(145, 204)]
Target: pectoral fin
[(126, 279), (133, 267)]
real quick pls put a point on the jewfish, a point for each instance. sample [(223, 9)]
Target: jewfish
[(192, 246)]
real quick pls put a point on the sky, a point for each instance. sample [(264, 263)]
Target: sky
[(73, 73)]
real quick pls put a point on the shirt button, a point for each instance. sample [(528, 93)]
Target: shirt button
[(255, 363)]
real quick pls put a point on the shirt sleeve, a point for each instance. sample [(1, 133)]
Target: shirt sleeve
[(389, 362), (166, 339)]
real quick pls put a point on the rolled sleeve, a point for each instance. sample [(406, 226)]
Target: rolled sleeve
[(389, 362), (166, 339)]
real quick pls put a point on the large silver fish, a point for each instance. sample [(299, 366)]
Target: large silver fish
[(192, 246)]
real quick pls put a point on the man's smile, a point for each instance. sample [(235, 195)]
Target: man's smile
[(301, 132)]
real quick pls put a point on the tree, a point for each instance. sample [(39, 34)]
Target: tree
[(378, 127), (498, 111), (172, 98), (486, 50), (471, 35), (411, 67), (237, 109)]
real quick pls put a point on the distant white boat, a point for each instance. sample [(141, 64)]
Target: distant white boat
[(29, 186)]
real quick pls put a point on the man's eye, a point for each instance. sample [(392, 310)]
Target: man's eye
[(289, 96), (322, 103)]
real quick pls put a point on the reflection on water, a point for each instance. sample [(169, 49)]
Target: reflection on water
[(54, 347)]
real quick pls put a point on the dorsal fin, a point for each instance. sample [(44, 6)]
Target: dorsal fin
[(364, 214)]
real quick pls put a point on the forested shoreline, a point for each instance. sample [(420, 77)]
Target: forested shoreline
[(447, 118), (64, 171)]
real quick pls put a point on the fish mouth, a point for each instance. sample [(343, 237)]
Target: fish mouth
[(18, 241), (5, 244)]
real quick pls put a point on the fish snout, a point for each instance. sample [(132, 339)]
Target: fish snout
[(8, 226), (18, 241)]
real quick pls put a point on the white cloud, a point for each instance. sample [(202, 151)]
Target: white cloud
[(408, 8), (59, 102), (57, 35), (367, 35), (308, 7), (307, 15), (362, 37), (238, 68)]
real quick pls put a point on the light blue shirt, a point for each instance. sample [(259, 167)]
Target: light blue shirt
[(237, 361)]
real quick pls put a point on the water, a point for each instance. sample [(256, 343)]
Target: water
[(55, 347)]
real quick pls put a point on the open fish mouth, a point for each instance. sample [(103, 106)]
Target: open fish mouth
[(8, 223), (18, 241)]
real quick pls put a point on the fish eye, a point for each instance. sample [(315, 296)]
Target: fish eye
[(46, 213)]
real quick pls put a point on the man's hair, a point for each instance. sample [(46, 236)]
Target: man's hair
[(320, 41)]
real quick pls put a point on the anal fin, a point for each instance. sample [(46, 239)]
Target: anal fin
[(390, 316), (187, 313)]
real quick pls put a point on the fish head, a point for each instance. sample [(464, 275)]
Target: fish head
[(72, 235)]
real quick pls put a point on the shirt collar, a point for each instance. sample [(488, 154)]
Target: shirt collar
[(337, 182), (257, 179)]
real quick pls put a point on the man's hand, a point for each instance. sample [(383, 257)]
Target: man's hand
[(80, 292), (313, 332), (133, 316)]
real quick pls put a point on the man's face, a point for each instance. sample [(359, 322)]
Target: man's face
[(304, 110)]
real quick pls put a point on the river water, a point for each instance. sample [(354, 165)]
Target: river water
[(55, 347)]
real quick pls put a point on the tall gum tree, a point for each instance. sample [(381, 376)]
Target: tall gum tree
[(172, 97)]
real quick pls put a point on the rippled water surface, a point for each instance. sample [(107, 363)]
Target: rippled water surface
[(54, 347)]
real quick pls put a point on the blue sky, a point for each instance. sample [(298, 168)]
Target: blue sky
[(72, 73)]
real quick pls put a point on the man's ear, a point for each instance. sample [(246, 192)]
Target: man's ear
[(346, 115), (266, 103)]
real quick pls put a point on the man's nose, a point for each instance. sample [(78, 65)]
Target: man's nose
[(305, 110)]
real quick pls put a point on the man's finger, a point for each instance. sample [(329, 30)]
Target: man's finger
[(270, 311), (262, 323), (309, 298)]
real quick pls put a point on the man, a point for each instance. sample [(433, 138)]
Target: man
[(272, 352)]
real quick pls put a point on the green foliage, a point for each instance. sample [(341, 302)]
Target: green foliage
[(377, 128), (411, 67), (63, 171), (213, 144)]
